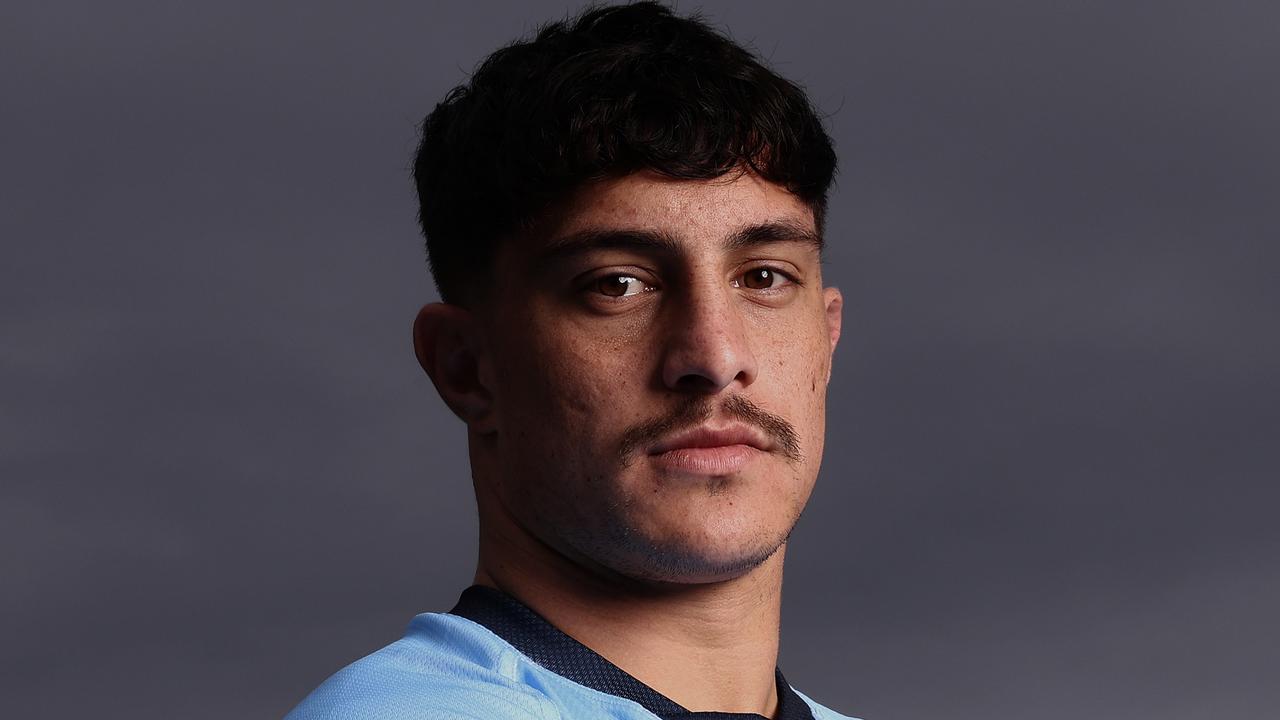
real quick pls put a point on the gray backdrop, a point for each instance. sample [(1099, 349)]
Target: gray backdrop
[(1050, 488)]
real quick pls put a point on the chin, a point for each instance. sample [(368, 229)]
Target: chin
[(699, 568), (696, 557), (696, 530)]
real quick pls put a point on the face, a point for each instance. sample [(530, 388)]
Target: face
[(658, 362)]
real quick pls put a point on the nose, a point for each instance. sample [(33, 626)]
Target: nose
[(706, 344)]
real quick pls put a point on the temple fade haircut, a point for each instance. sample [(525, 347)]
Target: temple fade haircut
[(613, 91)]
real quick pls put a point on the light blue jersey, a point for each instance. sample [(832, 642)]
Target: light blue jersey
[(492, 658)]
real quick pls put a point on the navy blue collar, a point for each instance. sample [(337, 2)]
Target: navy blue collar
[(547, 646)]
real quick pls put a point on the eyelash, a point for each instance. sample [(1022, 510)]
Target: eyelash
[(788, 277), (737, 281)]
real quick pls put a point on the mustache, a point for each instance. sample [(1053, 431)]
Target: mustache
[(695, 411)]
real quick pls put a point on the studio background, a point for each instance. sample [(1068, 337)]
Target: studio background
[(1050, 484)]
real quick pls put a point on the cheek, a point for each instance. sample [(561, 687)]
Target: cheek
[(799, 358), (798, 366), (563, 387)]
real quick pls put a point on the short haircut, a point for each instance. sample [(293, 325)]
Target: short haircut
[(612, 91)]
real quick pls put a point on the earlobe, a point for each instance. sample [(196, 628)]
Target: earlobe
[(447, 345)]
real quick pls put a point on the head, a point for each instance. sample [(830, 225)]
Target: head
[(624, 217)]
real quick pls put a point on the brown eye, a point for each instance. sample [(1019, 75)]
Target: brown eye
[(619, 285), (759, 279)]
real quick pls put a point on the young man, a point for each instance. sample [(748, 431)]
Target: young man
[(624, 218)]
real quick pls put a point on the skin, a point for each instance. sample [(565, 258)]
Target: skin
[(630, 318)]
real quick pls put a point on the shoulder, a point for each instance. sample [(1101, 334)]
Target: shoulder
[(444, 668)]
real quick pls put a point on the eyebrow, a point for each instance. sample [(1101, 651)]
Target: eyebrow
[(667, 244), (773, 232)]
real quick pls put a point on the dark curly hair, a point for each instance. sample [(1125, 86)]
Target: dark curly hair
[(610, 92)]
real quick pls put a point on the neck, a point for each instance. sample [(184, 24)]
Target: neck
[(708, 647)]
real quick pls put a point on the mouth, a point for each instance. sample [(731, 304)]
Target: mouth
[(710, 451)]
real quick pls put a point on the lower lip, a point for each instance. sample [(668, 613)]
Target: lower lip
[(720, 460)]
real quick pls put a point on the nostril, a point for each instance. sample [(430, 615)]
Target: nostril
[(696, 383)]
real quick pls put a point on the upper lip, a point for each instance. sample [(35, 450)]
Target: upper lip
[(707, 437)]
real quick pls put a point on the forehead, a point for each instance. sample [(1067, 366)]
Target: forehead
[(687, 209)]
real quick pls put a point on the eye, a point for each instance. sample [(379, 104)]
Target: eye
[(619, 286), (761, 278)]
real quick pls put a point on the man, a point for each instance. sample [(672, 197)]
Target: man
[(624, 218)]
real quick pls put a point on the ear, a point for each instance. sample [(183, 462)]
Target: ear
[(834, 303), (834, 310), (447, 342)]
